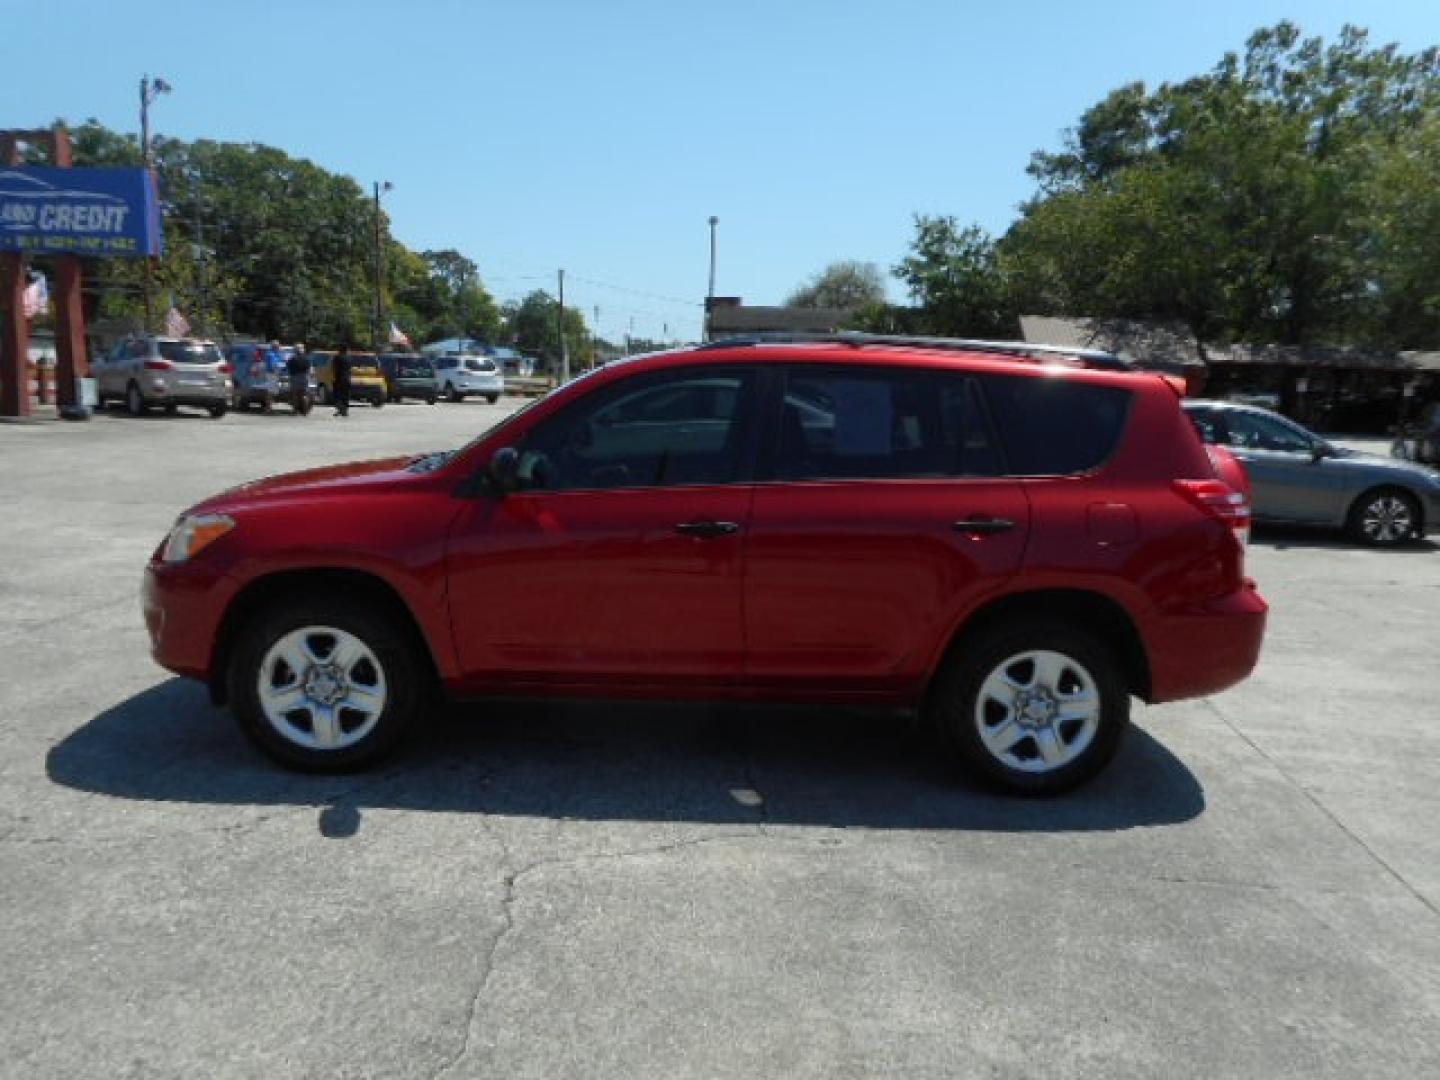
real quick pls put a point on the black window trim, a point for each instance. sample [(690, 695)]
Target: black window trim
[(981, 378)]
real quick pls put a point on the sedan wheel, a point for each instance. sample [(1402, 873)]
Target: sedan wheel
[(134, 400), (1385, 518)]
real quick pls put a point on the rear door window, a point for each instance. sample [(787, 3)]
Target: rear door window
[(1050, 425), (863, 423)]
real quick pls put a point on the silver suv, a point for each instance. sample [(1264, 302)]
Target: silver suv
[(150, 370)]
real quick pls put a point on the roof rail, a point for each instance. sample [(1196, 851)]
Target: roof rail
[(1095, 358)]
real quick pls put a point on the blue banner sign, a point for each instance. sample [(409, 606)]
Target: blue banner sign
[(50, 211)]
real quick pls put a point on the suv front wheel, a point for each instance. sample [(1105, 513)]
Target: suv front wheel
[(324, 684), (1034, 706)]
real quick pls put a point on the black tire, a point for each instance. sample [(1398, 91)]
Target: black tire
[(323, 393), (218, 410), (492, 398), (403, 674), (1385, 517), (134, 400), (171, 410), (267, 405), (431, 398), (378, 402), (454, 394), (956, 707)]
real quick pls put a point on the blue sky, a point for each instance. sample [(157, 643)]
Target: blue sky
[(601, 136)]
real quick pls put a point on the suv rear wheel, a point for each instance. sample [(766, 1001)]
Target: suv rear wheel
[(325, 684), (134, 400), (1034, 706)]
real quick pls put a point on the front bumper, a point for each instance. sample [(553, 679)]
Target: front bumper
[(1205, 648), (183, 606)]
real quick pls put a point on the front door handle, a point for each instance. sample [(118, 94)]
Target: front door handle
[(983, 526), (707, 530)]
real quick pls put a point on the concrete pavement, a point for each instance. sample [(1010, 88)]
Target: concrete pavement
[(1253, 890)]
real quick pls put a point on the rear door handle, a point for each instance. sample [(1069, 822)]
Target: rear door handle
[(983, 525), (707, 530)]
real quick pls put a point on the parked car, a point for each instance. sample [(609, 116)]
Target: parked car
[(149, 370), (1013, 548), (366, 381), (410, 375), (1299, 478), (460, 376)]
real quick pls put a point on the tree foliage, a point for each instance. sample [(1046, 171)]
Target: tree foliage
[(1288, 195), (845, 284), (261, 244)]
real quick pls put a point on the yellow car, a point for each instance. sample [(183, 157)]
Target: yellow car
[(367, 382)]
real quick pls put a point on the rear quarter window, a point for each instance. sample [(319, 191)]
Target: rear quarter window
[(1055, 426)]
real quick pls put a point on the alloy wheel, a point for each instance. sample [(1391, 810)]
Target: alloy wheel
[(1387, 519), (1038, 711), (322, 688)]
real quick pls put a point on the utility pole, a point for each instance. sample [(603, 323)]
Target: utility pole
[(379, 309), (149, 91), (560, 326), (710, 293), (200, 319)]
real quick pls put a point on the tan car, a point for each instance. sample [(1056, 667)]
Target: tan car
[(148, 371)]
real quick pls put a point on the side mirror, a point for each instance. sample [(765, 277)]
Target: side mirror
[(504, 470), (1319, 450)]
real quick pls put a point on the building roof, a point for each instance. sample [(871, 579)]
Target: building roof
[(742, 319), (1167, 346), (1164, 345)]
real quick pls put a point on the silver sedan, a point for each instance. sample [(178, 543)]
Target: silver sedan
[(1299, 478)]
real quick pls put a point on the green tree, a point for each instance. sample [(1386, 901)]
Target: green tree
[(955, 279), (841, 285), (533, 327)]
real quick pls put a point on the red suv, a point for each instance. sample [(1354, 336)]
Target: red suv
[(1014, 545)]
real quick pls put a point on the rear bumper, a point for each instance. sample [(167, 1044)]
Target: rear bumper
[(1205, 648)]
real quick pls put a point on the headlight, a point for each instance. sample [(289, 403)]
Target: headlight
[(193, 533)]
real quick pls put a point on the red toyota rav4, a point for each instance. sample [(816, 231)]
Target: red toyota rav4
[(1014, 542)]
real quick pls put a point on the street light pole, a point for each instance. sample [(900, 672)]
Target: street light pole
[(375, 325), (149, 91), (710, 293)]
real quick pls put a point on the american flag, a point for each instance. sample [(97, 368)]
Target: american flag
[(397, 336), (37, 296), (175, 324)]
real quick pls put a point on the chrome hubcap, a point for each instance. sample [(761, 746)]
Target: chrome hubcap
[(1037, 711), (322, 688), (1387, 520)]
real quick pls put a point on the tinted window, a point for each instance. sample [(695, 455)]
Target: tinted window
[(1205, 425), (679, 428), (1253, 431), (856, 423), (1050, 425), (189, 352)]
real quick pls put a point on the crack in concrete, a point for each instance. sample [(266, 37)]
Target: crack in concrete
[(1329, 814), (511, 882)]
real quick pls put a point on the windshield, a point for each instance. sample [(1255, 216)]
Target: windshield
[(189, 352), (475, 363)]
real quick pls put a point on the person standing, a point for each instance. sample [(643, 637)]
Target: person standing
[(297, 369), (342, 364)]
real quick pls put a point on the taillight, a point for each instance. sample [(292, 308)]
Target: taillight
[(158, 365), (224, 369), (1221, 500)]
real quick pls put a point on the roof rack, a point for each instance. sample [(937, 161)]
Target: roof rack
[(1024, 350)]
